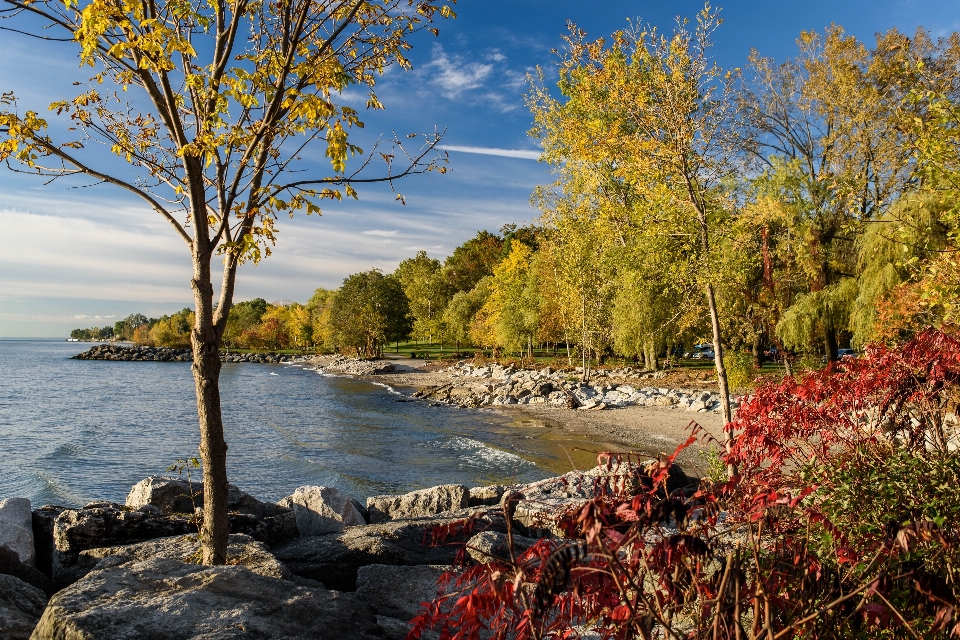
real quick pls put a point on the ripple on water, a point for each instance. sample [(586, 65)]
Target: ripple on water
[(73, 431)]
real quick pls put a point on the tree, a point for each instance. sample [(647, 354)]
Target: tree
[(428, 293), (835, 129), (369, 310), (473, 261), (653, 119), (462, 309), (242, 321), (230, 94)]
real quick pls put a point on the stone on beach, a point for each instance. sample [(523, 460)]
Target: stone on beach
[(11, 565), (397, 591), (488, 546), (16, 528), (418, 504), (320, 510)]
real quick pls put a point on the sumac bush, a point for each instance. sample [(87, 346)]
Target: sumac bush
[(842, 521)]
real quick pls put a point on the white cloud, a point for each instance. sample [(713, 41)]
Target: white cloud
[(83, 316), (492, 151), (454, 76)]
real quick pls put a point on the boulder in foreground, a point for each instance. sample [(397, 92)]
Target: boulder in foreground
[(163, 599), (21, 606), (16, 528)]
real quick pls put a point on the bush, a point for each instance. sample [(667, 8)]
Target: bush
[(741, 373), (840, 523)]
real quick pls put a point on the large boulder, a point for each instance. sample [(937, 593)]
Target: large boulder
[(21, 606), (488, 546), (320, 510), (16, 528), (335, 558), (241, 550), (541, 503), (11, 565), (106, 524), (164, 599), (174, 494), (418, 504), (397, 591)]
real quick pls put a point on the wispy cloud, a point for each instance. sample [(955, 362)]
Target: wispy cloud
[(382, 233), (83, 316), (526, 154), (453, 75)]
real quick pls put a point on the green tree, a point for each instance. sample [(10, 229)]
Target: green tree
[(369, 310), (472, 261), (427, 290), (225, 99)]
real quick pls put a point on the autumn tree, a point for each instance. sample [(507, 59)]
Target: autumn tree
[(652, 117), (834, 126), (213, 106)]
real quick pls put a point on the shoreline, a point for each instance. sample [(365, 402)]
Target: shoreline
[(646, 430)]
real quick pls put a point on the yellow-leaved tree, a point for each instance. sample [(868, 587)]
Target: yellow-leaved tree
[(212, 105)]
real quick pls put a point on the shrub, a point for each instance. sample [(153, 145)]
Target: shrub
[(840, 523)]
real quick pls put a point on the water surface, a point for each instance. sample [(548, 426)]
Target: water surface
[(74, 431)]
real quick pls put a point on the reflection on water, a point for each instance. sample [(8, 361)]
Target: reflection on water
[(74, 431)]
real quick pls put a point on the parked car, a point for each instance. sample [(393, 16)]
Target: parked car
[(846, 353), (704, 354)]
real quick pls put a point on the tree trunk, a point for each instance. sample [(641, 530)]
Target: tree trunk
[(830, 346), (213, 448), (724, 387)]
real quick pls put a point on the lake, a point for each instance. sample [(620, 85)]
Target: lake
[(74, 431)]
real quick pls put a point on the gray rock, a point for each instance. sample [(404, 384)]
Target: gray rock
[(172, 494), (242, 550), (494, 545), (398, 591), (21, 606), (10, 565), (486, 495), (105, 524), (418, 504), (16, 528), (163, 599), (335, 558), (320, 510)]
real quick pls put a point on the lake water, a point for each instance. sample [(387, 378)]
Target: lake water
[(74, 431)]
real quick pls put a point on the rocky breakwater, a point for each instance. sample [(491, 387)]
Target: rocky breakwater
[(317, 564), (340, 364), (140, 353), (495, 385)]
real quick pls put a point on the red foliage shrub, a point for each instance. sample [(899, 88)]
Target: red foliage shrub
[(842, 522)]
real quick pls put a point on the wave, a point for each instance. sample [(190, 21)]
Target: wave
[(274, 374), (387, 387), (478, 454)]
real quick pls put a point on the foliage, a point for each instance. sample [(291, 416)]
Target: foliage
[(740, 370), (369, 310), (783, 549), (427, 292)]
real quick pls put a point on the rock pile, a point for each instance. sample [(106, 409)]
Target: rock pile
[(316, 564), (352, 366), (497, 385), (141, 353)]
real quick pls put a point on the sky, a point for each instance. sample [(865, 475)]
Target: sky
[(75, 256)]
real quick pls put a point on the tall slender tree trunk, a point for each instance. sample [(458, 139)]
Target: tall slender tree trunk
[(213, 447)]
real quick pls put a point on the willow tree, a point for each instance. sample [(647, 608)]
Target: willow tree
[(656, 113), (213, 105)]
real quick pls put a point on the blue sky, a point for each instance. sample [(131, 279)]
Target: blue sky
[(89, 256)]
